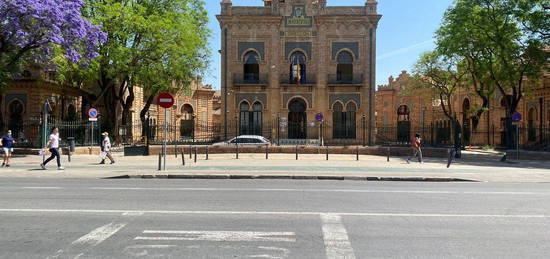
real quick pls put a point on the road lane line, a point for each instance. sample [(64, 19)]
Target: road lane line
[(98, 235), (317, 190), (219, 236), (289, 213), (335, 236)]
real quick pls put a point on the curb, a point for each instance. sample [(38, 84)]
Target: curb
[(292, 177)]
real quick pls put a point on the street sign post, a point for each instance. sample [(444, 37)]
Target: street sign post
[(516, 120), (166, 101), (92, 117)]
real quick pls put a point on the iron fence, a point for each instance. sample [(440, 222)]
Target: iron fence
[(30, 133)]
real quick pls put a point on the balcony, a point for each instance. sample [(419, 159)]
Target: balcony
[(309, 79), (250, 79), (345, 79)]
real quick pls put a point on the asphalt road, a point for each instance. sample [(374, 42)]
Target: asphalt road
[(45, 218)]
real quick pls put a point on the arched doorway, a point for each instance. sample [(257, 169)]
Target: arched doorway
[(187, 122), (15, 115), (251, 67), (466, 122), (297, 119), (531, 127), (403, 124), (344, 69), (298, 67)]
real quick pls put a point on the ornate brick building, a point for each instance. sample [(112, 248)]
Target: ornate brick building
[(288, 62), (403, 110)]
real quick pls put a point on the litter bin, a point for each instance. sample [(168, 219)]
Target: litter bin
[(72, 144)]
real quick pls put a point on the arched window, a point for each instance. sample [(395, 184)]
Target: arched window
[(251, 119), (403, 124), (187, 122), (15, 115), (298, 68), (251, 67), (466, 122), (244, 118), (344, 69), (343, 121), (71, 113), (532, 128)]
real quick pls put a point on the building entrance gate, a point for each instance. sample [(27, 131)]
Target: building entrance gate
[(297, 119)]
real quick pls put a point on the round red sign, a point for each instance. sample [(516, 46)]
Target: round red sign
[(165, 100)]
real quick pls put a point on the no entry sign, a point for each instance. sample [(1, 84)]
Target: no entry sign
[(165, 100)]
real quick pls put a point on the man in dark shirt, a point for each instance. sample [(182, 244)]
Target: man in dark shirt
[(7, 145)]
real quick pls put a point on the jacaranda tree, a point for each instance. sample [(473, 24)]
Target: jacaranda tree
[(30, 30)]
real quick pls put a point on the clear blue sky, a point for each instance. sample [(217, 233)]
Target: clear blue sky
[(405, 31)]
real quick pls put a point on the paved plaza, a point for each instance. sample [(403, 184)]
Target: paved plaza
[(473, 167)]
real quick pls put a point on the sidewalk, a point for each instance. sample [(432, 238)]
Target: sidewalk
[(474, 167)]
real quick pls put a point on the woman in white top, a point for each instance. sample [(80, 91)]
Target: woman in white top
[(106, 147), (53, 143)]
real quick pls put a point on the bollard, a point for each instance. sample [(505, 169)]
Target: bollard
[(266, 152), (195, 154), (206, 150), (296, 152), (327, 152), (160, 161), (388, 153), (357, 153), (183, 156), (237, 153)]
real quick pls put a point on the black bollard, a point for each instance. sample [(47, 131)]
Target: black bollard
[(160, 161), (206, 150), (183, 156)]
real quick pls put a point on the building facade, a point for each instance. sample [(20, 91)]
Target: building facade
[(290, 64), (402, 110)]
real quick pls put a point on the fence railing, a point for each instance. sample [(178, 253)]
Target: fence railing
[(29, 133)]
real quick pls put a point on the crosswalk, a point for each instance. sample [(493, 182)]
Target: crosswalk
[(192, 243)]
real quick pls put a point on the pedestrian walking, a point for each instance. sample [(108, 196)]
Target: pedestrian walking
[(53, 143), (416, 143), (106, 149), (7, 145)]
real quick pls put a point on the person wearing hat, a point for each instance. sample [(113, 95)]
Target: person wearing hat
[(106, 148)]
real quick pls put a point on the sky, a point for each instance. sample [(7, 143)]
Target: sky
[(405, 31)]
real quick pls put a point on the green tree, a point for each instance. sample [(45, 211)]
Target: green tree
[(501, 45), (160, 45), (442, 76)]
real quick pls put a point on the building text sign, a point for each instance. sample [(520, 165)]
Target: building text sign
[(298, 17)]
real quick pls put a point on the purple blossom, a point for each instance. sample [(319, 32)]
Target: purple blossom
[(37, 25)]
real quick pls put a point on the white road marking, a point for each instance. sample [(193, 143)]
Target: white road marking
[(219, 236), (316, 190), (337, 244), (98, 235), (283, 213), (292, 190), (42, 187)]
